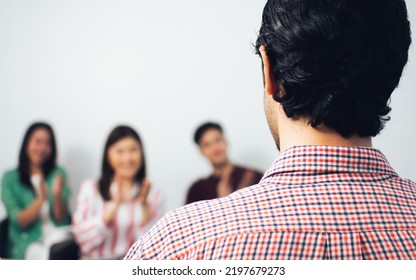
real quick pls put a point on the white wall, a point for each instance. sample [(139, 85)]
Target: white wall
[(162, 67)]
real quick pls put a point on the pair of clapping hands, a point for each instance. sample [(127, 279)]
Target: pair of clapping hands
[(57, 186), (117, 195)]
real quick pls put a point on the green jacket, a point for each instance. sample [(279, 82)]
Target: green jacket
[(17, 197)]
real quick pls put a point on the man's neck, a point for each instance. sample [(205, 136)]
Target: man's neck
[(299, 133), (219, 169)]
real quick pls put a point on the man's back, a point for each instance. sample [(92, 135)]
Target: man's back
[(315, 202)]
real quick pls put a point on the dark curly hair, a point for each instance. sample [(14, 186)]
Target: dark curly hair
[(337, 60)]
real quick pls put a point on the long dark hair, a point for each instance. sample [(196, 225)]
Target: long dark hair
[(24, 161), (107, 172)]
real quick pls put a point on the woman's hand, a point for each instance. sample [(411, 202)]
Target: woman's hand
[(144, 191), (59, 205), (42, 191), (28, 215), (142, 199), (112, 206), (115, 194), (57, 185)]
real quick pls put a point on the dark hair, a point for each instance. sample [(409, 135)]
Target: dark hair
[(107, 172), (24, 161), (203, 128), (337, 60)]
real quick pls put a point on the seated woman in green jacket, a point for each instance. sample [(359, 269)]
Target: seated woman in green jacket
[(36, 197)]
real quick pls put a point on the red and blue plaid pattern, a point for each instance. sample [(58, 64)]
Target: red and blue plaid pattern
[(315, 202)]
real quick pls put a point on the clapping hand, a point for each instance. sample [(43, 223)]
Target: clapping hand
[(115, 194), (144, 191), (142, 199), (42, 190), (58, 185)]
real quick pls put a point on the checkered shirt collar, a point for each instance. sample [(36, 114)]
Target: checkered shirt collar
[(313, 160)]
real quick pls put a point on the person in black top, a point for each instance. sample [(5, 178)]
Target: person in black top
[(226, 177)]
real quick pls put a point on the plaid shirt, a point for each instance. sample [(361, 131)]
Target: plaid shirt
[(315, 202)]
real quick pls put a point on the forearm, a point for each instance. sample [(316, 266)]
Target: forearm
[(147, 215), (89, 227), (27, 216), (59, 208)]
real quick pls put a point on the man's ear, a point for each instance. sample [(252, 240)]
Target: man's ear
[(270, 85)]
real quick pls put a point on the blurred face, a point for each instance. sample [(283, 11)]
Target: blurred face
[(214, 147), (125, 157), (39, 147)]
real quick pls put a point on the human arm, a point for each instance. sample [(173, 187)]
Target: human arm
[(111, 207), (88, 220), (59, 208), (27, 216), (150, 209), (143, 201), (23, 216)]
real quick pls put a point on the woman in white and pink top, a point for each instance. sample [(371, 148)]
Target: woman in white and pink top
[(113, 212)]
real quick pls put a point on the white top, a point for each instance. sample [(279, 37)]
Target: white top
[(45, 220), (100, 241), (50, 233)]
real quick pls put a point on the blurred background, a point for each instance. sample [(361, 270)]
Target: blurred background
[(162, 67)]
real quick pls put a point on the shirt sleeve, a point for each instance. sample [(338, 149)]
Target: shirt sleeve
[(192, 194), (88, 223), (135, 252), (151, 245), (10, 201)]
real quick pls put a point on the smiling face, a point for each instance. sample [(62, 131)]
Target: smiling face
[(214, 147), (125, 158), (39, 147)]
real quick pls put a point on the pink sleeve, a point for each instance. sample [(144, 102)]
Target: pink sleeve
[(88, 224)]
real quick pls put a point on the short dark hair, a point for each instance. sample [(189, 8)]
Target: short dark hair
[(337, 60), (24, 161), (200, 131), (107, 172)]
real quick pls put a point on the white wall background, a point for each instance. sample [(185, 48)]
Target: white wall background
[(162, 67)]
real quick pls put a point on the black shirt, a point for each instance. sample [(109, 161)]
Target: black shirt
[(206, 188)]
